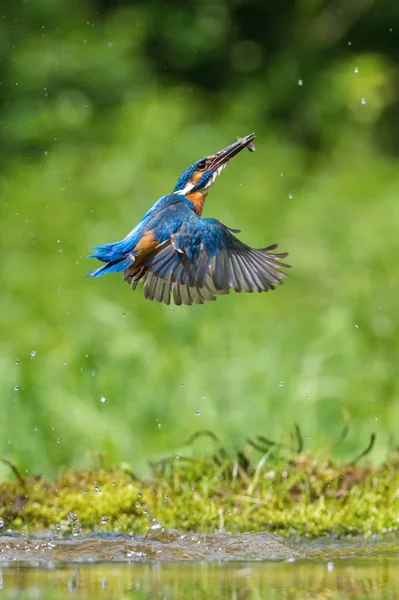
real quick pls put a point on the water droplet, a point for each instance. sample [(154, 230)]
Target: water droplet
[(58, 440), (165, 498), (197, 412), (77, 528), (155, 525), (204, 397), (159, 426), (102, 399), (363, 101), (139, 494), (17, 361), (104, 520), (33, 353), (300, 82), (72, 517), (138, 505), (16, 388), (330, 566), (97, 487), (290, 196), (356, 70), (357, 326), (349, 43), (281, 384), (1, 523)]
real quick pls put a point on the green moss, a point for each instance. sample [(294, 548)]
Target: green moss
[(303, 494)]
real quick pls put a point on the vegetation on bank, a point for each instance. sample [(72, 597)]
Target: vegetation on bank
[(287, 490)]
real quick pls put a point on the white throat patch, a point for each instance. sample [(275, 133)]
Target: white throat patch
[(185, 190), (210, 182)]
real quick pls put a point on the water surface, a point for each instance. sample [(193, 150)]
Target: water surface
[(171, 566)]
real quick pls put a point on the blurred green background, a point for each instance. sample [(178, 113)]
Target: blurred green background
[(102, 105)]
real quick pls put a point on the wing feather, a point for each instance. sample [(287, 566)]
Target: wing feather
[(197, 266), (201, 270)]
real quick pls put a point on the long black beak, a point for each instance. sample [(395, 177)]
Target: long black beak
[(223, 156)]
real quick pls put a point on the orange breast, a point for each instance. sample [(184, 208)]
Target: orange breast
[(198, 199)]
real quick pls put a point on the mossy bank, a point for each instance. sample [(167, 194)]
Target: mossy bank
[(301, 494)]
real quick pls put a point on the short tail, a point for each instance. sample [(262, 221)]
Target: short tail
[(115, 261), (111, 267)]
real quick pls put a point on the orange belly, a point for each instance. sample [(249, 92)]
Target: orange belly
[(198, 199)]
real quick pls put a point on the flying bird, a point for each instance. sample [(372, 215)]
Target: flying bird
[(179, 255)]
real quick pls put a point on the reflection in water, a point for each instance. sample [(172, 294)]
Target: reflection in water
[(207, 581), (197, 566)]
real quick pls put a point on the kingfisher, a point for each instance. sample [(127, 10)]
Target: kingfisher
[(180, 256)]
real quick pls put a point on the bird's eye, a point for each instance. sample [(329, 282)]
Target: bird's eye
[(201, 166)]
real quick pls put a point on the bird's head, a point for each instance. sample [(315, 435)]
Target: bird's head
[(195, 181)]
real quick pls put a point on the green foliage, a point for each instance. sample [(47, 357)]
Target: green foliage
[(93, 135), (292, 494)]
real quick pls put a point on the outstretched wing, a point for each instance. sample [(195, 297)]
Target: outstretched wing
[(204, 259), (164, 290)]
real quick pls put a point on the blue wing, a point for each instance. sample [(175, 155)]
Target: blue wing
[(203, 259)]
